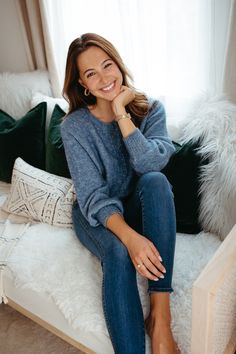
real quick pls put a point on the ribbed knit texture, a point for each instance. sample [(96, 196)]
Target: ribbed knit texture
[(103, 164)]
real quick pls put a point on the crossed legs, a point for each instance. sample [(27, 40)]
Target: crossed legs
[(150, 210)]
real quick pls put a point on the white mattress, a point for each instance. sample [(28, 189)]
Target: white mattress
[(54, 277)]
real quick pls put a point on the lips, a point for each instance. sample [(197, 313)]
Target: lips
[(109, 87)]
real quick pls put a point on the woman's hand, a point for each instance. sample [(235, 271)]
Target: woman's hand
[(125, 96), (145, 257)]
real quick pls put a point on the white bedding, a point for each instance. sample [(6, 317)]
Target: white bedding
[(51, 262)]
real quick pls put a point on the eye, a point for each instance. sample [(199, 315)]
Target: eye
[(92, 73), (107, 65)]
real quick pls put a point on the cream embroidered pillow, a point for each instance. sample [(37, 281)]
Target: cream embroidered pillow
[(40, 196)]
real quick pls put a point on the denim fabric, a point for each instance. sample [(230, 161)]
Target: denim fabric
[(149, 209)]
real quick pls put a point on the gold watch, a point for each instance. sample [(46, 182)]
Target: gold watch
[(122, 116)]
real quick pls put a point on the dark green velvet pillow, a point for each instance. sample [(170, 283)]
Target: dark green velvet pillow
[(183, 172), (55, 155), (23, 138)]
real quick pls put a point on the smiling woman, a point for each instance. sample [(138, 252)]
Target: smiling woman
[(116, 144)]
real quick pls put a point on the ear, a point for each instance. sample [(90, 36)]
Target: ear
[(81, 83)]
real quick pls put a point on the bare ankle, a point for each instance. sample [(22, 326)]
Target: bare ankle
[(160, 308)]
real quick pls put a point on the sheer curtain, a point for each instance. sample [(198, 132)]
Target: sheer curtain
[(230, 62), (174, 48)]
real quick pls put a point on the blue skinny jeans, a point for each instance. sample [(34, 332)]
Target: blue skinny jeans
[(149, 209)]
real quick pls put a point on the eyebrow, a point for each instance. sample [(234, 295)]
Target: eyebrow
[(93, 69)]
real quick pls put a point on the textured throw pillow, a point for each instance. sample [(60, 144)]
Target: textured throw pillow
[(55, 155), (38, 97), (16, 90), (22, 138), (40, 196), (183, 172)]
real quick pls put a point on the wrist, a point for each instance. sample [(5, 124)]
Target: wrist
[(128, 236), (122, 116), (117, 224), (119, 110)]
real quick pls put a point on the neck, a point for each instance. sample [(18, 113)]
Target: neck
[(103, 110)]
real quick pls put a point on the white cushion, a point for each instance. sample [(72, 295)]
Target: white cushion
[(40, 196), (17, 89), (38, 97)]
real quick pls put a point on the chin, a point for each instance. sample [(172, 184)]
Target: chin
[(109, 97)]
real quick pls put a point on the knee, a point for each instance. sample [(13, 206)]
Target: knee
[(117, 252), (155, 182)]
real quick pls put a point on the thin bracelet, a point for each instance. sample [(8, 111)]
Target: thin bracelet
[(122, 116)]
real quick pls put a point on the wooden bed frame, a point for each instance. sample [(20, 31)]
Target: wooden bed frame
[(205, 290)]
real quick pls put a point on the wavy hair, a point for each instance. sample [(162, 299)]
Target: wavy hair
[(73, 91)]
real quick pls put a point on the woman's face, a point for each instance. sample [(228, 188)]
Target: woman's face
[(99, 73)]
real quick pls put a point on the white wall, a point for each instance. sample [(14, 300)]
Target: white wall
[(12, 51)]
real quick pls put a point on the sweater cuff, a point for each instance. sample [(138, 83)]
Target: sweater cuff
[(136, 143), (107, 211)]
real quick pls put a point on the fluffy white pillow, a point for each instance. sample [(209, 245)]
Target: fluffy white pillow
[(213, 122), (38, 97), (17, 89), (40, 196), (174, 132)]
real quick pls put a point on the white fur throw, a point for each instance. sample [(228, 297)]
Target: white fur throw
[(213, 120), (52, 262)]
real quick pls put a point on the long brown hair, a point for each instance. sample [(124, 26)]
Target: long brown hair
[(73, 91)]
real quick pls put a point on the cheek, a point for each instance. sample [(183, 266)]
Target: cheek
[(91, 84), (118, 74)]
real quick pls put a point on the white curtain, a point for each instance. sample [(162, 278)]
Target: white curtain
[(41, 33), (230, 62), (174, 48)]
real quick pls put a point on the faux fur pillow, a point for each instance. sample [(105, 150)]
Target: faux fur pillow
[(213, 123), (40, 196)]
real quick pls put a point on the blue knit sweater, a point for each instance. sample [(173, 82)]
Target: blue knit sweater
[(103, 164)]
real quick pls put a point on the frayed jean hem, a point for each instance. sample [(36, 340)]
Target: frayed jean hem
[(160, 290)]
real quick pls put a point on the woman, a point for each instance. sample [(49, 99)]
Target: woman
[(116, 144)]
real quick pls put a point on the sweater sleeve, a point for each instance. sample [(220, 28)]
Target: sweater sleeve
[(151, 149), (91, 189)]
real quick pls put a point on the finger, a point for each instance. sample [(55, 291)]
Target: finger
[(152, 268), (157, 263), (145, 272), (155, 251), (138, 265), (123, 88)]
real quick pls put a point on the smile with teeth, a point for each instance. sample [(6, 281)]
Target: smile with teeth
[(109, 87)]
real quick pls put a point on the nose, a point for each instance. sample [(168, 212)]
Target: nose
[(103, 78)]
